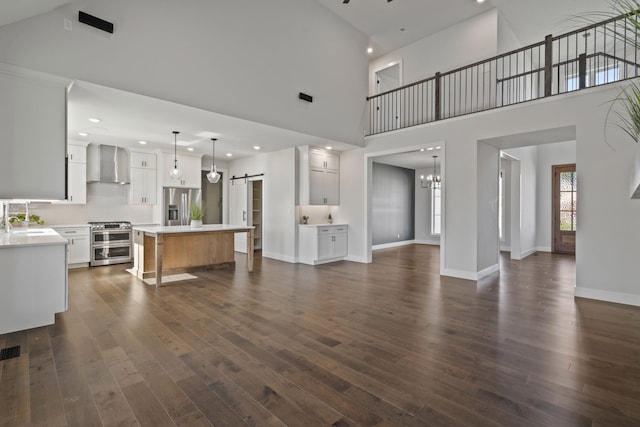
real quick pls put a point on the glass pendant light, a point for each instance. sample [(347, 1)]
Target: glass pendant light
[(175, 173), (213, 176)]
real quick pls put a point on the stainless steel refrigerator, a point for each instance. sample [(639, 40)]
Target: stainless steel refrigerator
[(177, 204)]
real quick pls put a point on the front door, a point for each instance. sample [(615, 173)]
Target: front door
[(565, 190)]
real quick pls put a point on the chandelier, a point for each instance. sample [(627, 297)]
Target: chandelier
[(431, 181)]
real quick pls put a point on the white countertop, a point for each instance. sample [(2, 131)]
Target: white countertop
[(168, 229), (321, 225), (24, 236)]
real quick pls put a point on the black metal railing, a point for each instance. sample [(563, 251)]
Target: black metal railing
[(598, 54)]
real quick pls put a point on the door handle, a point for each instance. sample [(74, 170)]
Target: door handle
[(244, 216)]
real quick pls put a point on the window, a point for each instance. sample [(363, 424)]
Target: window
[(568, 193), (435, 211), (606, 75)]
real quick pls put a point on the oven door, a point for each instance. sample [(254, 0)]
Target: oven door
[(114, 254), (109, 237)]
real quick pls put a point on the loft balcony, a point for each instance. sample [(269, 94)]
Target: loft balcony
[(602, 53)]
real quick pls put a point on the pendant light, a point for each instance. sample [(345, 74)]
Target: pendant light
[(175, 173), (433, 180), (213, 176)]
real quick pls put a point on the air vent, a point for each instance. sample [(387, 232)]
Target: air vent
[(10, 352)]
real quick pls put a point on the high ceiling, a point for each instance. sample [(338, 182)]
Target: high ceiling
[(389, 26), (402, 22)]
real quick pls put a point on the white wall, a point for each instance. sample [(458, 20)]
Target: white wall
[(525, 221), (462, 44), (505, 244), (561, 153), (606, 257), (507, 40), (487, 216), (279, 213), (243, 58)]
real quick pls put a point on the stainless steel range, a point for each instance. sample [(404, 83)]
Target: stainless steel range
[(111, 242)]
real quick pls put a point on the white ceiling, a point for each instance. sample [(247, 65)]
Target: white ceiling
[(127, 118), (415, 159), (384, 22)]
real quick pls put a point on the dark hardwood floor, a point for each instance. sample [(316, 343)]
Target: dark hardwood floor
[(386, 344)]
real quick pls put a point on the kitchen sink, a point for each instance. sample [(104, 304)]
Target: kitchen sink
[(34, 232)]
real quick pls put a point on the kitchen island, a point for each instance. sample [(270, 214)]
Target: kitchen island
[(33, 286), (163, 250)]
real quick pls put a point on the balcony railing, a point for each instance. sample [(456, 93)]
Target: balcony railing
[(598, 54)]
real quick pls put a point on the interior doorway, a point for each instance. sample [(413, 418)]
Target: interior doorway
[(211, 200), (565, 191), (247, 197)]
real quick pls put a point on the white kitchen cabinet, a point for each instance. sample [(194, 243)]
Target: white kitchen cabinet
[(78, 249), (319, 177), (319, 244), (142, 174), (191, 171), (34, 135), (142, 160), (76, 174)]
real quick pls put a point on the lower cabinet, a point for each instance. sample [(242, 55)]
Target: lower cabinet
[(78, 249), (319, 244)]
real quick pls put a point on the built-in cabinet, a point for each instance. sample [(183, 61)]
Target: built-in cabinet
[(142, 173), (76, 174), (34, 134), (319, 244), (256, 213), (191, 167), (319, 176), (78, 248)]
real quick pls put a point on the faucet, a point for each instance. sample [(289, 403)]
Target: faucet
[(6, 217)]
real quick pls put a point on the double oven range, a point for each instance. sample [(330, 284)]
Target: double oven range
[(111, 243)]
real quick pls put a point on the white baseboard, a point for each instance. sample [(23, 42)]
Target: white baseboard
[(487, 271), (360, 259), (392, 245), (600, 295), (470, 275), (279, 257), (432, 242), (459, 274), (544, 249), (524, 254)]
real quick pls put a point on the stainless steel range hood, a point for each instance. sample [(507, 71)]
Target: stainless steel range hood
[(107, 164)]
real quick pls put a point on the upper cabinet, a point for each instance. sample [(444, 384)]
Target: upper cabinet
[(77, 174), (33, 123), (191, 170), (319, 176), (143, 188)]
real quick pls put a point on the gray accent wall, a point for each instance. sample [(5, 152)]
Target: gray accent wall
[(392, 204)]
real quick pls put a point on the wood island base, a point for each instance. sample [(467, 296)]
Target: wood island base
[(160, 251)]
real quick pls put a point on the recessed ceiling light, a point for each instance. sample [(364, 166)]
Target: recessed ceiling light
[(229, 154), (438, 147), (256, 147), (430, 149), (190, 148), (83, 134), (369, 50), (328, 147), (422, 149), (480, 1), (142, 142), (94, 120)]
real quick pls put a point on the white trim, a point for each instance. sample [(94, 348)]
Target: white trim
[(460, 274), (600, 295), (524, 254), (505, 248), (360, 259), (392, 245), (543, 249), (488, 271), (470, 275), (279, 257), (433, 242)]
